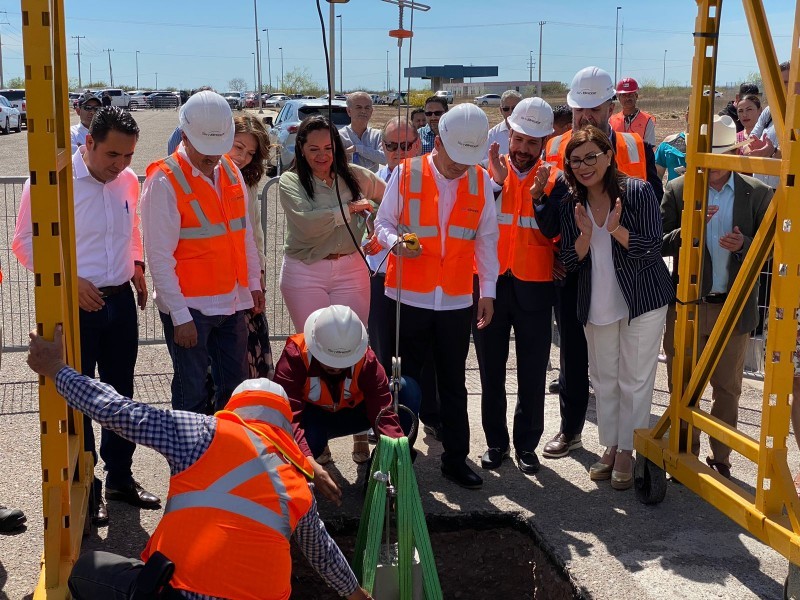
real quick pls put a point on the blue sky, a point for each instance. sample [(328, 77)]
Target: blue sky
[(191, 43)]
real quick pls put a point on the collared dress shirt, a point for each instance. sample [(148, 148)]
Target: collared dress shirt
[(485, 242), (368, 147), (499, 133), (720, 224), (77, 134), (182, 437), (107, 237), (161, 223)]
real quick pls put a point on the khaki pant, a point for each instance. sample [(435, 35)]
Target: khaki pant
[(726, 380)]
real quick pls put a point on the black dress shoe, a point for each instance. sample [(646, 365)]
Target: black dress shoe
[(719, 467), (462, 475), (11, 519), (433, 430), (528, 462), (494, 457), (554, 386), (99, 513), (135, 495)]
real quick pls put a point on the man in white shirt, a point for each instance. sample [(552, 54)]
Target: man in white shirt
[(500, 133), (204, 262), (88, 105), (445, 198), (109, 255), (359, 138)]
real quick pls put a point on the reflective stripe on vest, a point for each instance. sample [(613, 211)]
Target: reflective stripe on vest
[(177, 173), (631, 145), (462, 233), (265, 414), (414, 210), (218, 495), (315, 389)]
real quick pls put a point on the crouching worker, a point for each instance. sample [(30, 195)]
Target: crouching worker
[(238, 493), (337, 387)]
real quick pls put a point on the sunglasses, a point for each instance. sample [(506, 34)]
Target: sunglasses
[(589, 160), (393, 146), (92, 108), (506, 108), (434, 113)]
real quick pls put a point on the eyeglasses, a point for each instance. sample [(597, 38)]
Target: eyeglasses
[(506, 108), (589, 160), (393, 146), (434, 113)]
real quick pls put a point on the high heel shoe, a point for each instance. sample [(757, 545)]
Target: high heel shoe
[(622, 480), (601, 471)]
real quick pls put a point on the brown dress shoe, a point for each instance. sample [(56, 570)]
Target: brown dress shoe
[(561, 445)]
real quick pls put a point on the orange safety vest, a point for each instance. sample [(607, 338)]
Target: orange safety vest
[(638, 125), (521, 246), (317, 393), (210, 258), (631, 159), (453, 271), (230, 516)]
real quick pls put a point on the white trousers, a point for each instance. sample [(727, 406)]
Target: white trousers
[(622, 362), (307, 288)]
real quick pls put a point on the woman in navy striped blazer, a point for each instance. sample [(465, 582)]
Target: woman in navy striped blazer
[(611, 235)]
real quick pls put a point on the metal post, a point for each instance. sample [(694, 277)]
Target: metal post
[(331, 51), (90, 74), (74, 37), (664, 76), (110, 70), (530, 67), (281, 49), (269, 63), (539, 84), (341, 55), (137, 69), (616, 43), (255, 81), (387, 72), (156, 80), (258, 60), (2, 84)]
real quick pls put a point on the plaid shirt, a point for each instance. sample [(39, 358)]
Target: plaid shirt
[(426, 136), (182, 437)]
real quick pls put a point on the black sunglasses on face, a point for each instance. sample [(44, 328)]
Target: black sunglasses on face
[(92, 108), (434, 113), (393, 146), (505, 108)]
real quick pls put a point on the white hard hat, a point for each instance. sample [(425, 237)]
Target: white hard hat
[(260, 385), (533, 117), (207, 121), (590, 88), (335, 336), (465, 133)]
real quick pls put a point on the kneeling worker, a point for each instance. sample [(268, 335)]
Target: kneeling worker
[(337, 387), (238, 493)]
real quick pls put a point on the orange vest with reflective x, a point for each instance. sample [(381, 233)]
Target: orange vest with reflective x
[(316, 391), (453, 270), (629, 148), (637, 126), (230, 516), (210, 258), (521, 246)]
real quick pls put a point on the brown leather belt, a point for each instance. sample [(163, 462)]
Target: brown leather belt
[(335, 256), (113, 290)]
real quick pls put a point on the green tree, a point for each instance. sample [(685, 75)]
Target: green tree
[(16, 83), (299, 81)]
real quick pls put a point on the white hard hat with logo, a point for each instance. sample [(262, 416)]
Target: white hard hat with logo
[(207, 121), (335, 336), (464, 131), (533, 117), (590, 88)]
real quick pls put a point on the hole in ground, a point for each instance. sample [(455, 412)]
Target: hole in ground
[(476, 554)]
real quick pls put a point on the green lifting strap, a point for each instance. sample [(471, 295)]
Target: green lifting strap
[(393, 456)]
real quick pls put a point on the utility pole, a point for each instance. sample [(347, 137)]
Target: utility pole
[(110, 71), (331, 51), (281, 49), (79, 38), (255, 81), (137, 69), (621, 47), (530, 67), (269, 63), (258, 60), (539, 83), (90, 74), (341, 55), (664, 76), (156, 80), (616, 44), (2, 82), (387, 72)]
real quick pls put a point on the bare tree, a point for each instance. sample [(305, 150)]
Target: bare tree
[(237, 84)]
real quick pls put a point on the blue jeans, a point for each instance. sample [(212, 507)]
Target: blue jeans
[(322, 425), (222, 340)]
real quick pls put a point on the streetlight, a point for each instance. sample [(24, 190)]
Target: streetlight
[(616, 44), (530, 67), (664, 77), (332, 43), (341, 55), (137, 69), (269, 63), (258, 59), (156, 80), (387, 72), (281, 49), (255, 81)]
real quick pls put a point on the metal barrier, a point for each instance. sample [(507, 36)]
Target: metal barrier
[(16, 293)]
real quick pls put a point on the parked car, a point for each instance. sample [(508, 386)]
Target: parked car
[(118, 97), (73, 99), (276, 101), (446, 94), (395, 98), (235, 100), (163, 100), (284, 130), (488, 100), (251, 100), (139, 99), (341, 97), (9, 117), (17, 100)]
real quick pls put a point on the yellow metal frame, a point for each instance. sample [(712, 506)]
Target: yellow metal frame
[(773, 513), (67, 470)]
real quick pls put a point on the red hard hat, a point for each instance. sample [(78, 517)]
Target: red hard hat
[(627, 85)]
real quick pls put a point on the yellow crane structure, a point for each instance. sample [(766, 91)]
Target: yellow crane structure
[(772, 514)]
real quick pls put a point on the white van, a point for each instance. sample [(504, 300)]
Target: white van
[(118, 97)]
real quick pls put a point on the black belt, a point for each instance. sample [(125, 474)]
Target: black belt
[(715, 298), (113, 290)]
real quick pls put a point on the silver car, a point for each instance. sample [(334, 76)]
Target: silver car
[(276, 101), (488, 100), (284, 130), (9, 117)]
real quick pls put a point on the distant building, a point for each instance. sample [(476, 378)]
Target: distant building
[(447, 74), (526, 88)]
